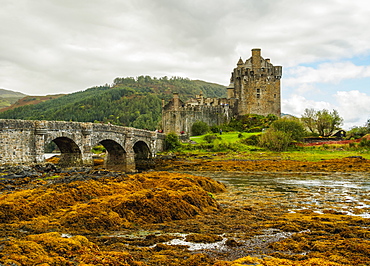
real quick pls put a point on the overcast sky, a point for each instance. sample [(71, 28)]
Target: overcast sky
[(62, 46)]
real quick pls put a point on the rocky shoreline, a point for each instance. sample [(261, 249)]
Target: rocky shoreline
[(54, 216)]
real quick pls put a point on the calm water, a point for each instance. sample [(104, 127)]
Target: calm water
[(348, 193), (49, 155)]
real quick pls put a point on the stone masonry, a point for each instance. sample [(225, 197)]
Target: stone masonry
[(24, 141)]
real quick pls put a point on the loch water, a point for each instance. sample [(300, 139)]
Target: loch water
[(347, 193)]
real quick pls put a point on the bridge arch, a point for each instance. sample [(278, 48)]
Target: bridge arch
[(116, 157), (143, 155), (71, 154), (142, 150)]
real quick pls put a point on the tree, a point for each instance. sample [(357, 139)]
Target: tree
[(322, 122), (172, 142), (309, 119), (359, 131), (199, 128)]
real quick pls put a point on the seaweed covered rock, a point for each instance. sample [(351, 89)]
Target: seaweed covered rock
[(110, 203), (54, 249)]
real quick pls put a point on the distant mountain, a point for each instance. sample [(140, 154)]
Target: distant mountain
[(135, 102), (29, 100), (287, 115), (8, 97)]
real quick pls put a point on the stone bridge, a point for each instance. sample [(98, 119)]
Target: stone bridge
[(24, 141)]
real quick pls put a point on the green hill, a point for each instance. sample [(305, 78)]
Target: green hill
[(8, 97), (135, 102)]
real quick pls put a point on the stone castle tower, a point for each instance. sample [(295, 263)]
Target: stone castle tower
[(256, 85), (254, 89)]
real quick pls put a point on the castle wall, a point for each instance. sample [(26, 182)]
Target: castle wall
[(185, 117), (262, 97)]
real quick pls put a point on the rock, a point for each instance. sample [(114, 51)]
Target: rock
[(232, 243)]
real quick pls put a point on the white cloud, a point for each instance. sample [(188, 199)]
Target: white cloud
[(296, 104), (54, 46), (353, 106), (333, 72), (55, 39)]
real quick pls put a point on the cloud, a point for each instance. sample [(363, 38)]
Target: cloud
[(296, 104), (199, 39), (54, 46), (331, 72), (353, 106)]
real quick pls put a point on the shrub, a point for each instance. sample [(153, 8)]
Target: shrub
[(199, 128), (325, 146), (172, 142), (210, 138), (219, 146), (215, 129), (254, 129), (275, 140), (352, 145), (252, 140), (365, 143), (292, 126)]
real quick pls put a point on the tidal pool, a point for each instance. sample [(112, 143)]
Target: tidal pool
[(347, 193)]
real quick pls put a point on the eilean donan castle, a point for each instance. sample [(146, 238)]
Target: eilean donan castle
[(254, 89)]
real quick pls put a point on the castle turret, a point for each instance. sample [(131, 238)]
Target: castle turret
[(240, 62)]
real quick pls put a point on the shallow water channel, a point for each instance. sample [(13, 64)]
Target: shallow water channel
[(348, 193)]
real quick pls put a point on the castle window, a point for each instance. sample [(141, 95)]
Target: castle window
[(258, 95), (258, 90), (274, 95)]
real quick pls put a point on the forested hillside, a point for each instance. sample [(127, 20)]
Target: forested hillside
[(135, 102)]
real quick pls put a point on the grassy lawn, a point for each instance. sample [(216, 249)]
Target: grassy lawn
[(243, 152), (230, 137)]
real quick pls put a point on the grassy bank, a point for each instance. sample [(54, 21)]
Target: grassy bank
[(232, 145)]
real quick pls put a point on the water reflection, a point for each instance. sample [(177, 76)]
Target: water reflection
[(341, 192)]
